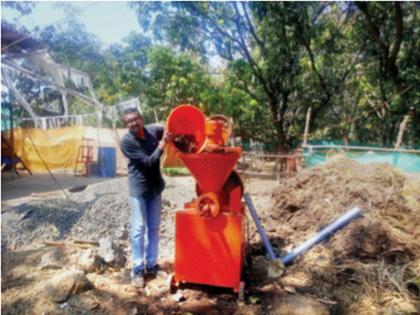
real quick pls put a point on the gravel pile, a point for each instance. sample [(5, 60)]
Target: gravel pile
[(101, 209)]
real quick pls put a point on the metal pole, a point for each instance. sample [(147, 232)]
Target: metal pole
[(260, 228), (12, 140), (338, 224), (329, 230)]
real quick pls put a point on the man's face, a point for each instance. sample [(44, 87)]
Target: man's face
[(134, 122)]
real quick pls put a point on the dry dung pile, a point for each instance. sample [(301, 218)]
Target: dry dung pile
[(373, 265)]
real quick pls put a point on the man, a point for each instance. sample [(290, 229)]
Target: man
[(143, 146)]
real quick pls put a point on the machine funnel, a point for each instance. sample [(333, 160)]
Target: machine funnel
[(186, 123), (211, 170)]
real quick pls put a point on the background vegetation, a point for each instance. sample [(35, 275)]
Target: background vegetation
[(356, 65)]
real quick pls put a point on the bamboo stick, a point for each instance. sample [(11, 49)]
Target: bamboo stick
[(359, 148)]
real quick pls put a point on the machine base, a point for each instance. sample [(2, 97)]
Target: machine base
[(209, 251)]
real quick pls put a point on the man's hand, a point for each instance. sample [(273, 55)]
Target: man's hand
[(167, 137)]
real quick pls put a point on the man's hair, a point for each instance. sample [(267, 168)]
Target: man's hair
[(129, 110)]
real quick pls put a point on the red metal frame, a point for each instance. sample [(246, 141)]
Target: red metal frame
[(209, 251), (210, 233)]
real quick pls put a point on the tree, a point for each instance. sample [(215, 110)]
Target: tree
[(237, 32), (391, 61), (329, 68)]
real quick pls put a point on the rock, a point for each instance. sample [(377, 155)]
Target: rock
[(247, 309), (166, 203), (154, 290), (52, 259), (85, 301), (178, 297), (68, 283), (275, 268), (290, 289), (90, 261), (297, 279), (162, 274), (157, 286), (111, 253), (123, 235), (272, 288), (297, 305), (202, 306), (399, 306)]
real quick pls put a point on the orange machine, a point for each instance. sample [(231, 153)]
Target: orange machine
[(209, 237)]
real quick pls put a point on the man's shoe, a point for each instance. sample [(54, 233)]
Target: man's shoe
[(153, 270), (137, 278)]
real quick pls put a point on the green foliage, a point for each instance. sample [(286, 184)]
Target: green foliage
[(355, 64), (175, 171)]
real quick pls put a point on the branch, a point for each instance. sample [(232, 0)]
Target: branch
[(372, 28), (346, 73), (247, 90), (399, 32), (337, 116), (313, 65), (213, 23), (352, 115), (255, 68), (211, 34), (285, 103), (319, 12), (252, 29)]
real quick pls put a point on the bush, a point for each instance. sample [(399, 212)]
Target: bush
[(175, 171)]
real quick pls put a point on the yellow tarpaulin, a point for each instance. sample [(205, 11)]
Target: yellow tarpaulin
[(59, 147)]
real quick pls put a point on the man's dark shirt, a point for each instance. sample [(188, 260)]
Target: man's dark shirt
[(143, 155)]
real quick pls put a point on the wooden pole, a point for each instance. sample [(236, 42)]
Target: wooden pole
[(403, 125), (156, 116), (308, 119), (359, 148)]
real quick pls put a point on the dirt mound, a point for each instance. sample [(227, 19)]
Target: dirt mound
[(378, 254)]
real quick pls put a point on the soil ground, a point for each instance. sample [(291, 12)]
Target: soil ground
[(372, 267), (18, 186)]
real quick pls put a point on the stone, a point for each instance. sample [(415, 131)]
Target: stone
[(203, 306), (90, 261), (178, 297), (123, 235), (111, 253), (84, 301), (62, 286), (297, 305), (397, 306), (162, 274), (52, 259), (298, 279)]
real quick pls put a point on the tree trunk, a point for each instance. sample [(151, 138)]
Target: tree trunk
[(307, 123), (277, 120), (403, 125), (282, 147)]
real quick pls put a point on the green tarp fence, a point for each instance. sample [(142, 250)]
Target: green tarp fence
[(406, 162)]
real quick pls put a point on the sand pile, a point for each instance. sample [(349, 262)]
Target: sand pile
[(374, 262)]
